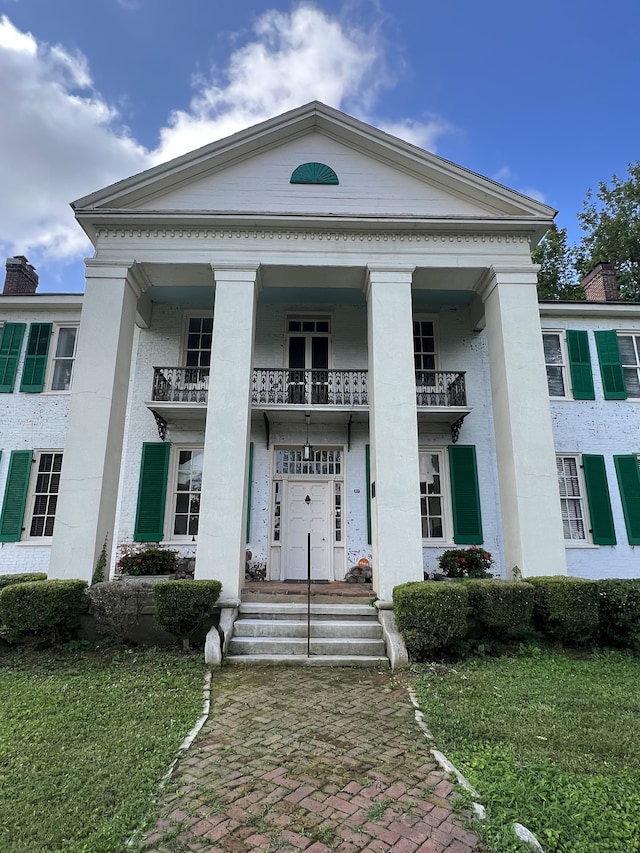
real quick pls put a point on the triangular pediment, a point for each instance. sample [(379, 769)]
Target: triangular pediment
[(378, 176)]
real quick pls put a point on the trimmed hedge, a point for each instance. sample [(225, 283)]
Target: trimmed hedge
[(44, 610), (501, 608), (9, 580), (430, 616), (185, 607), (565, 609), (619, 612)]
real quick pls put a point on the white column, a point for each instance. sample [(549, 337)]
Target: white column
[(393, 425), (85, 513), (223, 502), (525, 454)]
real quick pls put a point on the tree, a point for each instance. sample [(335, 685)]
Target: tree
[(557, 278), (611, 221)]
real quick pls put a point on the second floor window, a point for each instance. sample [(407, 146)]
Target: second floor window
[(630, 358), (555, 362), (63, 358), (198, 343)]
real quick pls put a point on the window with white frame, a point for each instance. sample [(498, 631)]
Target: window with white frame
[(629, 345), (556, 363), (199, 335), (186, 489), (63, 358), (433, 497), (43, 495), (424, 343), (572, 498)]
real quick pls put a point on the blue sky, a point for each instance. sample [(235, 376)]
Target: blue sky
[(543, 98)]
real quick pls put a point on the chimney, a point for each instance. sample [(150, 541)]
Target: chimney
[(21, 278), (601, 284)]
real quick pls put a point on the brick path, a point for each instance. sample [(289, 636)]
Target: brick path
[(309, 759)]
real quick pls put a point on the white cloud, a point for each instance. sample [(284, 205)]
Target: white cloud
[(61, 139), (505, 176), (58, 141)]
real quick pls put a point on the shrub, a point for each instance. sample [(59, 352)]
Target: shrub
[(565, 608), (503, 608), (430, 616), (185, 607), (43, 610), (117, 607), (619, 612), (147, 561), (471, 562), (9, 580)]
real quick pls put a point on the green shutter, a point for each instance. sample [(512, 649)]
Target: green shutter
[(595, 477), (15, 495), (610, 366), (10, 346), (628, 472), (465, 495), (152, 492), (35, 361), (580, 365), (367, 462), (249, 491)]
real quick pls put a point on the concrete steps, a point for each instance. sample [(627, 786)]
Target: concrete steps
[(276, 633)]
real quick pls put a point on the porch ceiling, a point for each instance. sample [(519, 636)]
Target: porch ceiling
[(192, 286)]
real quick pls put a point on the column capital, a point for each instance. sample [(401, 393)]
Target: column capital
[(388, 274), (236, 272), (496, 274), (130, 271)]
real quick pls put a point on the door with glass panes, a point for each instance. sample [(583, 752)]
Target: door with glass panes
[(308, 360)]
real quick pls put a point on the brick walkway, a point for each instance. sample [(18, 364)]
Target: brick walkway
[(309, 759)]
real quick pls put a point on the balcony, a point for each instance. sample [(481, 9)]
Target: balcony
[(180, 393)]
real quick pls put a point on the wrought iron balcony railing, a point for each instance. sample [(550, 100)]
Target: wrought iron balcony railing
[(180, 384), (440, 388), (290, 386)]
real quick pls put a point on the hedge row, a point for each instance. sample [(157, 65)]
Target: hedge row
[(434, 616), (33, 609)]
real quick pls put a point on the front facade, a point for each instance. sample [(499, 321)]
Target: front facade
[(308, 345)]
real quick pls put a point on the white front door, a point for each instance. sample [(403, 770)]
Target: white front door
[(308, 521)]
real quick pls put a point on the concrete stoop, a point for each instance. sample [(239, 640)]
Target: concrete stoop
[(276, 633)]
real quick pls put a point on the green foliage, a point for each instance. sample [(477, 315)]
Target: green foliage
[(619, 612), (565, 609), (9, 580), (117, 607), (611, 221), (100, 571), (147, 561), (42, 610), (503, 608), (470, 562), (557, 278), (430, 616), (185, 607)]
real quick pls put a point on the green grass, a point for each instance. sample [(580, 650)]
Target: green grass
[(85, 739), (548, 740)]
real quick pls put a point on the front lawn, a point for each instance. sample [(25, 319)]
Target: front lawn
[(549, 740), (84, 740)]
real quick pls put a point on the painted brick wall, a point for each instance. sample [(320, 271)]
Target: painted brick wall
[(30, 422), (606, 427)]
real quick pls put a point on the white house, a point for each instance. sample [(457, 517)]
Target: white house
[(312, 337)]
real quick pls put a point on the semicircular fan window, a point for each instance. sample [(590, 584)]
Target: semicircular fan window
[(313, 173)]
